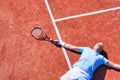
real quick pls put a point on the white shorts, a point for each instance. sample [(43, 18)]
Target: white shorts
[(75, 74)]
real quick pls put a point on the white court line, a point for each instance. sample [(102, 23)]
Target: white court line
[(58, 34), (87, 14)]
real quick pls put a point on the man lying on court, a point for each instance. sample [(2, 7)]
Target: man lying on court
[(89, 61)]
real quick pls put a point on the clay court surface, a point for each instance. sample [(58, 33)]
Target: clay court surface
[(24, 58)]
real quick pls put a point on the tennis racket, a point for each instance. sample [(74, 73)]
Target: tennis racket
[(40, 34)]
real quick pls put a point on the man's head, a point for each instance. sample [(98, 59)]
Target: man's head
[(98, 47)]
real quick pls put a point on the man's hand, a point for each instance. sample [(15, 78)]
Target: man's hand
[(58, 43)]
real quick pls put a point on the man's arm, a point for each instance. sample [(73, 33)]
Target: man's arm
[(72, 47), (113, 65), (67, 46)]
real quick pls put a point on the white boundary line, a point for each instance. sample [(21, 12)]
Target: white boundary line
[(58, 34), (87, 14)]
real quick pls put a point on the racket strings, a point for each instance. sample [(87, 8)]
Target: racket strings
[(42, 36)]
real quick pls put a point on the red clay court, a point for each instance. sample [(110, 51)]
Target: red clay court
[(79, 22)]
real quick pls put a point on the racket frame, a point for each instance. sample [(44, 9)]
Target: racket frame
[(45, 38)]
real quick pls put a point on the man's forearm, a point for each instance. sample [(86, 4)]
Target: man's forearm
[(71, 47), (116, 67), (113, 65), (67, 46)]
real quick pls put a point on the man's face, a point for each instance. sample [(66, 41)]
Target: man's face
[(98, 47)]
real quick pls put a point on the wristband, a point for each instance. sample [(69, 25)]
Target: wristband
[(62, 44)]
